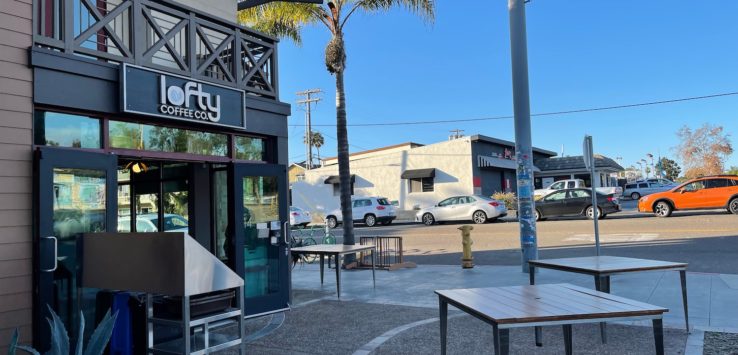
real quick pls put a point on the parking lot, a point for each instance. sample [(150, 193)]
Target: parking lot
[(705, 239)]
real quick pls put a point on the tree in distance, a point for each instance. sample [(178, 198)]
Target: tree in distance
[(286, 20), (316, 140), (669, 168), (703, 151)]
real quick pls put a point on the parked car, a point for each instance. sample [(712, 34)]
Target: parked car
[(702, 193), (638, 189), (660, 181), (575, 202), (367, 210), (577, 184), (299, 217), (148, 222), (479, 209)]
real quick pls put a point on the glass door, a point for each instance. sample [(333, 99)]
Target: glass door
[(259, 209), (75, 193)]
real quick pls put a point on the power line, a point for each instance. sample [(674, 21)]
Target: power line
[(554, 113)]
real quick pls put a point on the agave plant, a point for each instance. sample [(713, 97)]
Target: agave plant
[(60, 339)]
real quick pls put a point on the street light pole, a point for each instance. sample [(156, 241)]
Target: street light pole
[(523, 145)]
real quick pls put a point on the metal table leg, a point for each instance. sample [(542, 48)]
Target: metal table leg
[(602, 285), (374, 278), (658, 335), (338, 276), (538, 330), (443, 316), (501, 340), (568, 339), (322, 266), (683, 277)]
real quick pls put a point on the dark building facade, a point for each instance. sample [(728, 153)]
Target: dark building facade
[(134, 116)]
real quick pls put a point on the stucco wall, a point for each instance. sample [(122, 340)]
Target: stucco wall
[(379, 175)]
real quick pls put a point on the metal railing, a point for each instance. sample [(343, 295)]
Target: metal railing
[(163, 35)]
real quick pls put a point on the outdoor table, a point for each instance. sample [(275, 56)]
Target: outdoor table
[(602, 267), (543, 305), (337, 251)]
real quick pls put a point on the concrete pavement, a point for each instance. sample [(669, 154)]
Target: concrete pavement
[(400, 315)]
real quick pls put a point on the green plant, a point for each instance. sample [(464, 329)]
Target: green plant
[(60, 339), (508, 198)]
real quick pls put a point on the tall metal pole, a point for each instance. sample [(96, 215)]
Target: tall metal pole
[(523, 145)]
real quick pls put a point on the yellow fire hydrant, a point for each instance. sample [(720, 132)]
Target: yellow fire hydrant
[(467, 260)]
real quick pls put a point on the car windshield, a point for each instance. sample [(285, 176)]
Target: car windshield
[(383, 202)]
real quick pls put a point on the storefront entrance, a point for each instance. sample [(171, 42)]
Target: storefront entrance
[(236, 210)]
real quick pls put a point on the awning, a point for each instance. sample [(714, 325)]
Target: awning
[(484, 161), (419, 173), (334, 179)]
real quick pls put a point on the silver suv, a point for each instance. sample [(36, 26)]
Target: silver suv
[(367, 210), (639, 189)]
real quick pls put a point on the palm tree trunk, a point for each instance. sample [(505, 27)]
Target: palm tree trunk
[(344, 172)]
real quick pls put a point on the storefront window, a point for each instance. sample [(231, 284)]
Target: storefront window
[(65, 130), (126, 135), (250, 148)]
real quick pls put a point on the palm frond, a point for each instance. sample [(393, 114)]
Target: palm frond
[(280, 19), (426, 9)]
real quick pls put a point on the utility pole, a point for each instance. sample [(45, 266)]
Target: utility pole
[(308, 101), (523, 145), (455, 134)]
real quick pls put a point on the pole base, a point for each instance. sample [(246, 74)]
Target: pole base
[(467, 263)]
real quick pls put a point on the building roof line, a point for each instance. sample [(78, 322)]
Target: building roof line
[(483, 138), (411, 144)]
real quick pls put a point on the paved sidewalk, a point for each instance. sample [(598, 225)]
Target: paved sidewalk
[(400, 315)]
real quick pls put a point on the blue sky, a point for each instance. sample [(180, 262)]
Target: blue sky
[(581, 54)]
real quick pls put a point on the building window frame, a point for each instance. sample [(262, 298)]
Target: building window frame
[(420, 185)]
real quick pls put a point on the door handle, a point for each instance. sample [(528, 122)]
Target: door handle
[(286, 230), (56, 254)]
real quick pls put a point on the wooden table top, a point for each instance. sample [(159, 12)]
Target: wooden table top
[(606, 264), (332, 249), (544, 303)]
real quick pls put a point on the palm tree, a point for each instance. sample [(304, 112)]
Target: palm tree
[(287, 20), (316, 140)]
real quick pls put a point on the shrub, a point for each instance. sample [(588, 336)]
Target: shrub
[(508, 198), (60, 339)]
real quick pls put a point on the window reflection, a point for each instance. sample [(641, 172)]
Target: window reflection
[(250, 148), (137, 136), (64, 130)]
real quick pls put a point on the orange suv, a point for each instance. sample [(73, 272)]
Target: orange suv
[(707, 192)]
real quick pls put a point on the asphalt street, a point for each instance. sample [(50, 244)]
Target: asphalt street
[(707, 240)]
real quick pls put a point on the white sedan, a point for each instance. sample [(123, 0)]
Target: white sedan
[(476, 208), (299, 217)]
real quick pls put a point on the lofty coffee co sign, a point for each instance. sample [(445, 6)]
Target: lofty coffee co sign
[(154, 93)]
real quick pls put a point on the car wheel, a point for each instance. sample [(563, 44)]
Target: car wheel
[(538, 215), (428, 219), (331, 221), (662, 209), (590, 212), (479, 217), (370, 220), (635, 196), (733, 206)]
